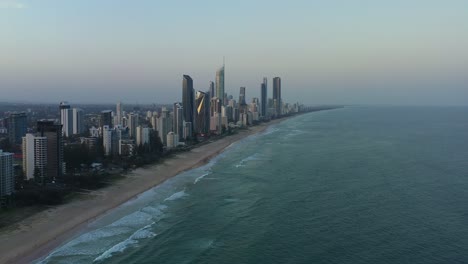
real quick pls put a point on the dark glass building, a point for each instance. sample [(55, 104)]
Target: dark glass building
[(277, 94), (106, 118), (263, 97), (188, 100), (202, 113), (17, 127), (53, 133)]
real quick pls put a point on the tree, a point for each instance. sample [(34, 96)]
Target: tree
[(156, 144)]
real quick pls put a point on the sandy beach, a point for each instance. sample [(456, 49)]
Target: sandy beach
[(39, 234)]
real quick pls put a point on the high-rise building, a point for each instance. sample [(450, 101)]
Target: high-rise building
[(164, 125), (187, 130), (78, 126), (119, 109), (188, 100), (263, 97), (220, 93), (178, 120), (34, 157), (106, 118), (212, 90), (220, 84), (66, 119), (17, 127), (7, 179), (53, 133), (133, 122), (277, 94), (107, 134), (242, 96), (143, 136), (215, 115), (202, 113)]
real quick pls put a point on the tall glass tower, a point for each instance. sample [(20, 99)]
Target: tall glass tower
[(277, 94), (220, 84), (263, 97), (188, 100)]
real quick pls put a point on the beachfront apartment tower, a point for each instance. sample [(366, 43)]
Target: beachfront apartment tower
[(78, 125), (7, 179), (66, 119), (277, 95), (263, 97), (188, 100), (17, 127), (212, 89), (220, 84), (133, 122), (119, 110), (202, 113), (178, 120), (34, 157), (106, 118), (53, 133), (220, 94)]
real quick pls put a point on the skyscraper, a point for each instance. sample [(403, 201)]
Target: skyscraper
[(133, 123), (277, 94), (220, 94), (202, 118), (263, 97), (164, 125), (106, 118), (53, 133), (178, 122), (215, 114), (107, 134), (66, 119), (242, 96), (188, 100), (7, 180), (143, 135), (220, 84), (119, 109), (212, 90), (17, 127), (77, 121), (34, 156)]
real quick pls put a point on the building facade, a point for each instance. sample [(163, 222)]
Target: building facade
[(277, 95), (17, 127), (188, 100), (53, 133), (264, 97), (78, 125), (7, 178)]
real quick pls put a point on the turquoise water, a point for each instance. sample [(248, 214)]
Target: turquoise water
[(352, 185)]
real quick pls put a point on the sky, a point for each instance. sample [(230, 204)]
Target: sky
[(395, 52)]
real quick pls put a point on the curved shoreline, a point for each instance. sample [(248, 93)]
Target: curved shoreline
[(39, 234)]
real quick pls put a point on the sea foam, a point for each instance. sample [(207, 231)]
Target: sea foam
[(141, 233), (176, 196), (201, 177)]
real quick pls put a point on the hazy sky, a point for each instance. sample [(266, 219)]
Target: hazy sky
[(326, 52)]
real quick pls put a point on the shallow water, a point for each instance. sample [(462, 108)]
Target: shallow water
[(352, 185)]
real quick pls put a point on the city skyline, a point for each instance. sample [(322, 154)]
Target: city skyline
[(327, 52)]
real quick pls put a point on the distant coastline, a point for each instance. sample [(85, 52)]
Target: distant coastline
[(39, 234)]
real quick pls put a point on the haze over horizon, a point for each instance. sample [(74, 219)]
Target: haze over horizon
[(326, 52)]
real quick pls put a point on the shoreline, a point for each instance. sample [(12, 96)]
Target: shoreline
[(38, 235)]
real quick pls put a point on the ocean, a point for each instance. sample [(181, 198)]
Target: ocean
[(351, 185)]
